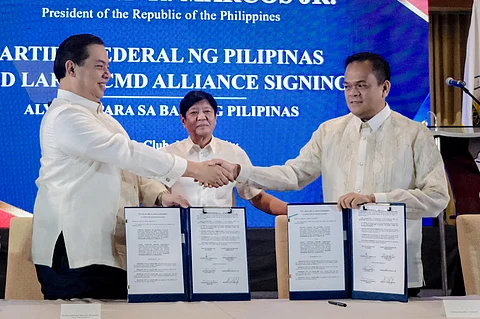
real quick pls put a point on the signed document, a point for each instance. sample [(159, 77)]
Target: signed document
[(359, 253), (218, 251), (316, 248), (379, 249), (154, 251)]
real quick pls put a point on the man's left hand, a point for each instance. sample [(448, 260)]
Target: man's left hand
[(173, 200), (354, 200)]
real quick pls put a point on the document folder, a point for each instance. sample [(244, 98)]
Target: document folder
[(195, 254), (359, 253)]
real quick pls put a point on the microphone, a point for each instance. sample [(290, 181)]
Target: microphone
[(457, 83), (462, 85)]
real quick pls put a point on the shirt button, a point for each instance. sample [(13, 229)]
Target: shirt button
[(361, 164), (358, 190), (167, 179)]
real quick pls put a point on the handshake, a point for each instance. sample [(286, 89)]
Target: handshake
[(213, 173)]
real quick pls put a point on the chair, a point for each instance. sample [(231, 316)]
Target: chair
[(468, 232), (281, 250), (14, 210), (21, 281)]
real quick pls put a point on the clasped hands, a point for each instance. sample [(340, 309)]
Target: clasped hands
[(213, 173), (216, 173)]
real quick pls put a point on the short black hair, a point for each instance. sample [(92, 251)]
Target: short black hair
[(381, 68), (193, 97), (73, 48)]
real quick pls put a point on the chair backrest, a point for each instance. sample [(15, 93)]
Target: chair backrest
[(21, 281), (468, 232), (14, 210), (281, 251)]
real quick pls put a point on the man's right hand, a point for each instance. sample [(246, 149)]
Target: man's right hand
[(354, 200), (208, 173)]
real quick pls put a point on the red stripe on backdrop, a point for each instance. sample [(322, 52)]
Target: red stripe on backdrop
[(422, 5), (5, 219)]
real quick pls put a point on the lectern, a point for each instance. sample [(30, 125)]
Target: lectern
[(459, 146)]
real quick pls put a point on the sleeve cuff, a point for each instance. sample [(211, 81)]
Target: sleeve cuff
[(245, 171), (152, 193), (158, 201), (178, 169), (380, 197), (247, 192)]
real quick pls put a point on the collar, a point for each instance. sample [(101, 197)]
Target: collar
[(376, 121), (94, 107), (191, 147)]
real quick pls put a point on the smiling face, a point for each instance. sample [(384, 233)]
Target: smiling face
[(364, 95), (200, 121), (90, 78)]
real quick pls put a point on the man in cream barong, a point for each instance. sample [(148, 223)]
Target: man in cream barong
[(372, 154)]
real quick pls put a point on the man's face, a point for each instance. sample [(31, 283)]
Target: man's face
[(364, 96), (91, 78), (200, 120)]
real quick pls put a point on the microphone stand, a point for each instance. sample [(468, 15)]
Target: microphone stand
[(464, 89), (435, 124)]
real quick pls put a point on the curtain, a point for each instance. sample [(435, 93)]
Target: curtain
[(448, 33)]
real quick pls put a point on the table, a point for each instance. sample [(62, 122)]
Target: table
[(417, 308)]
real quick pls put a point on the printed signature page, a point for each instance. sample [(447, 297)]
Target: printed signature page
[(219, 250), (379, 249)]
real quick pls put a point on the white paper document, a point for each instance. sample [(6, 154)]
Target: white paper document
[(219, 250), (74, 311), (154, 251), (461, 308), (378, 249), (316, 248)]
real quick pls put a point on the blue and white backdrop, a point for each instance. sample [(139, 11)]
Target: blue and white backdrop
[(275, 67)]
